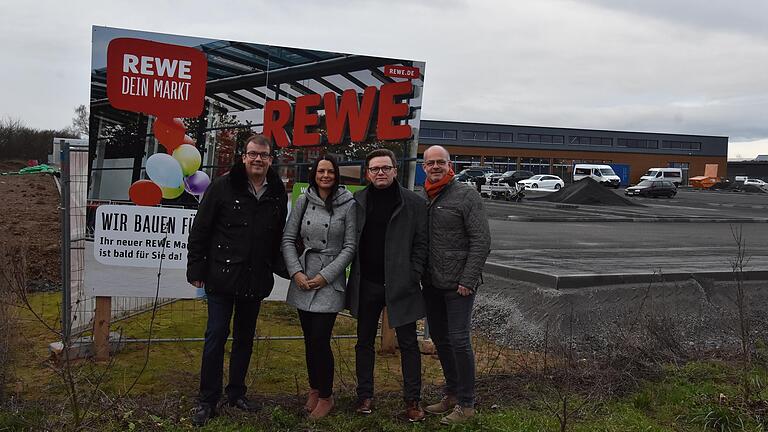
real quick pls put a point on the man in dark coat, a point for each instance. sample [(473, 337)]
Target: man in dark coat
[(233, 249), (391, 256)]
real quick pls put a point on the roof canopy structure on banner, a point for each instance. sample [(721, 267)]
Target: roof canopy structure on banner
[(243, 76)]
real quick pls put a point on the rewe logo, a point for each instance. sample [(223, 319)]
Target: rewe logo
[(156, 78)]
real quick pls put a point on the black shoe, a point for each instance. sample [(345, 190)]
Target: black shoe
[(203, 413), (244, 404)]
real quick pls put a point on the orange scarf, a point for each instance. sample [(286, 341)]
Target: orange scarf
[(434, 188)]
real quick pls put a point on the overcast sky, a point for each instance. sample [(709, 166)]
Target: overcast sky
[(680, 66)]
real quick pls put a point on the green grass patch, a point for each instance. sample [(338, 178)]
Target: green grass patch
[(697, 396)]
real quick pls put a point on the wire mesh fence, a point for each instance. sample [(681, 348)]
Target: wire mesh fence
[(78, 304), (176, 320)]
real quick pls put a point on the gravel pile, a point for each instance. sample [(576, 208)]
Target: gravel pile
[(753, 188), (691, 317), (588, 192)]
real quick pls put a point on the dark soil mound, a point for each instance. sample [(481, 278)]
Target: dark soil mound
[(587, 191), (753, 188), (723, 185), (11, 165)]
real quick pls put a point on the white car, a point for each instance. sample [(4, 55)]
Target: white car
[(542, 181), (755, 182)]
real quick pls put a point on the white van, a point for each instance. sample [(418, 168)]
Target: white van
[(602, 174), (675, 175)]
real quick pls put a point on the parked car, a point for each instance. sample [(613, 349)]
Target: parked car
[(492, 178), (755, 182), (675, 175), (602, 174), (543, 181), (468, 174), (513, 177), (652, 188)]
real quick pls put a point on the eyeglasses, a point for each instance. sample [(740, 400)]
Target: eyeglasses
[(258, 155), (438, 162), (385, 169)]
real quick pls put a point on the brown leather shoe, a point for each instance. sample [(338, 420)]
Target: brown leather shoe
[(312, 398), (413, 411), (364, 406), (446, 404), (324, 406)]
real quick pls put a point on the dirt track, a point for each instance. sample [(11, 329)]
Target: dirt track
[(29, 215)]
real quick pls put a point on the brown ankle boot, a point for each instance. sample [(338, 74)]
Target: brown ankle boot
[(413, 411), (324, 406), (312, 398)]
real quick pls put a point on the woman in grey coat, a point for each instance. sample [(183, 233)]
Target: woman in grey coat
[(318, 245)]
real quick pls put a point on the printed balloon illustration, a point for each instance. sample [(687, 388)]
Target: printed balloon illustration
[(171, 134), (189, 158), (172, 193), (145, 192), (164, 170), (172, 173), (197, 183)]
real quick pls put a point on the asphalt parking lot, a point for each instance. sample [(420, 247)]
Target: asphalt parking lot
[(579, 246)]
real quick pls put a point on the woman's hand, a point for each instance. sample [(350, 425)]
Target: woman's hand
[(301, 281), (317, 282)]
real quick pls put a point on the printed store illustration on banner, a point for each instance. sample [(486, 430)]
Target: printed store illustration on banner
[(172, 114)]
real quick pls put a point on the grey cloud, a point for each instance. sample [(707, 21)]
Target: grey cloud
[(739, 16)]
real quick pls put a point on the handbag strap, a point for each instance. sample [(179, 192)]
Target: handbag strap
[(303, 210)]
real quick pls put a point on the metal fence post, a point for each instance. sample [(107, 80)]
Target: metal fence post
[(66, 287)]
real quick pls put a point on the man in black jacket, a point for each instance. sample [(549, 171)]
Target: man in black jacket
[(233, 249), (391, 256)]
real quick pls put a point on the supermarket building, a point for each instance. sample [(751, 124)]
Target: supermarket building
[(552, 150)]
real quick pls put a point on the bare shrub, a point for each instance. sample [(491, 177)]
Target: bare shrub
[(8, 318)]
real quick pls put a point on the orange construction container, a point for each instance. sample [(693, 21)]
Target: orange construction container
[(702, 182)]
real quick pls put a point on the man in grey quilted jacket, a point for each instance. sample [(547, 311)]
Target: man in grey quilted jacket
[(459, 243)]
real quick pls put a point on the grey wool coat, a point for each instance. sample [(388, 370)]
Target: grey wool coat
[(329, 242), (405, 256)]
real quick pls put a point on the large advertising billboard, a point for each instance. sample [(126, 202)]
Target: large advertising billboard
[(170, 113)]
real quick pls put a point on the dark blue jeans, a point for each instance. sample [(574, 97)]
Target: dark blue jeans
[(372, 302), (449, 315), (220, 309)]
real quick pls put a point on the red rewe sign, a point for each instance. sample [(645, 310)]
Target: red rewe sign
[(347, 114), (401, 71), (156, 78)]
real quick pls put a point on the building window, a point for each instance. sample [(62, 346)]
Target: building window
[(636, 143), (595, 141), (506, 137), (438, 133), (535, 165), (540, 138), (479, 136), (681, 145)]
